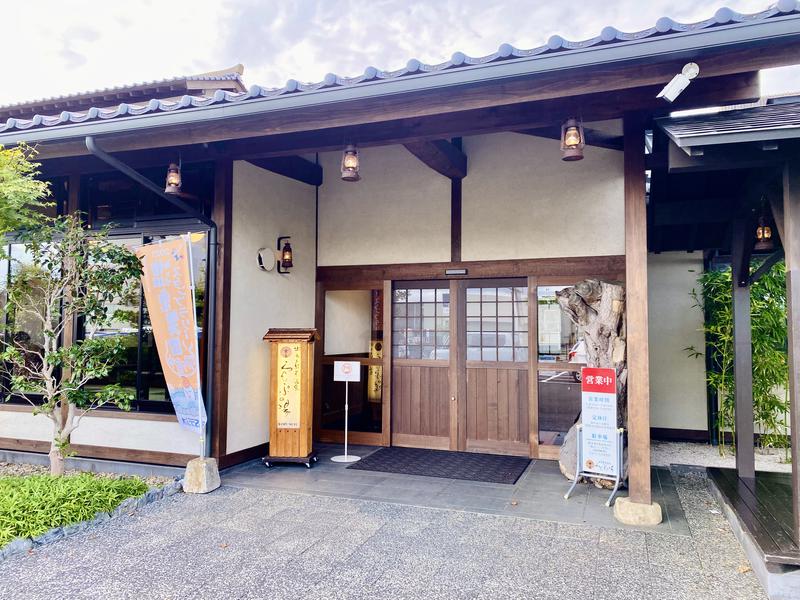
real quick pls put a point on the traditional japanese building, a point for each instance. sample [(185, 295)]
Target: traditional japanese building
[(433, 212)]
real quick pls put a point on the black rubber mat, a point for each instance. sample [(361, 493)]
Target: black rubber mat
[(490, 468)]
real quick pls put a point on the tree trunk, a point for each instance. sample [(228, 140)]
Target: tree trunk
[(597, 307), (56, 460)]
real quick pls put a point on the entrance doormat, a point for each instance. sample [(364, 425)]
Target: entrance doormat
[(490, 468)]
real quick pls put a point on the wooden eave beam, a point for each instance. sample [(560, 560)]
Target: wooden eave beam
[(433, 114), (294, 167), (441, 156), (593, 136)]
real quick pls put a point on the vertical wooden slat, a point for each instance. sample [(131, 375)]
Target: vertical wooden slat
[(458, 366), (743, 350), (791, 245), (427, 398), (483, 404), (636, 304), (491, 403), (386, 400), (513, 404), (222, 215), (416, 390), (472, 404), (502, 405), (533, 376), (408, 392), (524, 433)]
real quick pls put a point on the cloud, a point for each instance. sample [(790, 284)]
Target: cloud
[(301, 39)]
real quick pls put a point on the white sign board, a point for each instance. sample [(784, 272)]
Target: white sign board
[(599, 450), (346, 370)]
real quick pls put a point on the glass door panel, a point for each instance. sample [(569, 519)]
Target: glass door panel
[(353, 331)]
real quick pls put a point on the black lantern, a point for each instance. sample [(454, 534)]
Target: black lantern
[(572, 140), (764, 241), (350, 164), (173, 179), (286, 256)]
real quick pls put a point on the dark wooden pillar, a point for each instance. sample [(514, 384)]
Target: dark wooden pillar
[(742, 242), (222, 216), (636, 307), (791, 245)]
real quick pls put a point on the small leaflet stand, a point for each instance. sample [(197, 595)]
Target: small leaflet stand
[(599, 441), (347, 371)]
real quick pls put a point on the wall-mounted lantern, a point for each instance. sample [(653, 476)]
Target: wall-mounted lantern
[(282, 257), (350, 164), (572, 140), (764, 241), (173, 179)]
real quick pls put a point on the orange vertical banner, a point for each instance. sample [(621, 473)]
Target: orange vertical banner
[(169, 292)]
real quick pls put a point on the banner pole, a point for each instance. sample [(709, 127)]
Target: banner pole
[(194, 321)]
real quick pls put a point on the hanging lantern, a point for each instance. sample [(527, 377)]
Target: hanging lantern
[(173, 179), (286, 256), (350, 164), (764, 240), (572, 140)]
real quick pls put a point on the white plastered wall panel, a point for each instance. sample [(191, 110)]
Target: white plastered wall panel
[(111, 432), (265, 205), (398, 213), (677, 381), (520, 200)]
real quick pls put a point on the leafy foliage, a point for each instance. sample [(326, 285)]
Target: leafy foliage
[(23, 197), (770, 366), (69, 273), (30, 506)]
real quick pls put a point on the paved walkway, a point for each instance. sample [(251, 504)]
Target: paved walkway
[(256, 543), (538, 494)]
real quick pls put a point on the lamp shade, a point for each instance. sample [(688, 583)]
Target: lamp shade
[(173, 185), (350, 164), (572, 140)]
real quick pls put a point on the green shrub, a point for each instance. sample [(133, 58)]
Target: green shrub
[(30, 506)]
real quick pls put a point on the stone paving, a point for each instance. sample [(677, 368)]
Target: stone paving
[(256, 543)]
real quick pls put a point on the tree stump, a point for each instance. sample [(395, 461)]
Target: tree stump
[(597, 308)]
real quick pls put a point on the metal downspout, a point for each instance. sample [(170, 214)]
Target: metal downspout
[(211, 279)]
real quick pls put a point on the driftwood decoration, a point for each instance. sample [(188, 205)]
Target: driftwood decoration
[(598, 308)]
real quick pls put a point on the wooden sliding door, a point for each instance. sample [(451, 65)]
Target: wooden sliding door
[(497, 385), (421, 364)]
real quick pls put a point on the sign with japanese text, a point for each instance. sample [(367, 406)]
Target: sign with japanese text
[(288, 400), (599, 415), (346, 370), (169, 293)]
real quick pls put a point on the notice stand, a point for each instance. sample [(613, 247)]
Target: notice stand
[(291, 385), (347, 371), (599, 441)]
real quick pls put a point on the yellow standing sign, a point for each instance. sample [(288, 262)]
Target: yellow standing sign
[(169, 292)]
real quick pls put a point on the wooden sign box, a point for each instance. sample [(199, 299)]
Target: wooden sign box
[(291, 397)]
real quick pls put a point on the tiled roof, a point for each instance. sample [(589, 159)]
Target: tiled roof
[(231, 76), (767, 122), (506, 52)]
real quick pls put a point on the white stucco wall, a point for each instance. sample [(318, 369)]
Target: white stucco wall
[(135, 434), (677, 382), (265, 205), (520, 200), (398, 213)]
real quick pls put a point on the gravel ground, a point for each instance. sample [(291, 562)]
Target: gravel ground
[(664, 454), (254, 543), (7, 469)]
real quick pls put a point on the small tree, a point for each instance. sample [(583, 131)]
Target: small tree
[(69, 272), (769, 336), (23, 197)]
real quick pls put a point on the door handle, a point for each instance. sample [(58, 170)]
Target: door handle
[(452, 398)]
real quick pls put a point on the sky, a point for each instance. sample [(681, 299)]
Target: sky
[(54, 47)]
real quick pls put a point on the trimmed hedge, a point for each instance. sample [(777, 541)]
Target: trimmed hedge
[(32, 505)]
